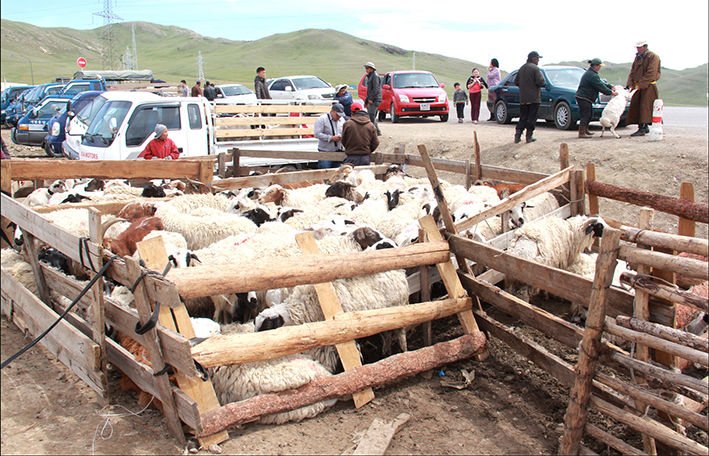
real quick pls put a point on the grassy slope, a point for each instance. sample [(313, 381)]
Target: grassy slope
[(171, 52)]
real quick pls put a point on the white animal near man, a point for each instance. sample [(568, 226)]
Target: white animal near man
[(610, 117)]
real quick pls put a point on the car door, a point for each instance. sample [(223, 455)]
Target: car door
[(509, 93), (387, 92), (282, 89), (195, 131), (141, 127), (546, 107)]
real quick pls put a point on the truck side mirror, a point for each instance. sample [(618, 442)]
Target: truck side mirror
[(442, 85)]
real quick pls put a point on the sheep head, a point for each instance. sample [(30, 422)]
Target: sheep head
[(273, 194)]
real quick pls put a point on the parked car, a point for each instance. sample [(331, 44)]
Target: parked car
[(31, 129), (76, 127), (558, 99), (30, 99), (410, 93), (302, 87), (76, 86), (235, 93), (56, 126), (9, 96)]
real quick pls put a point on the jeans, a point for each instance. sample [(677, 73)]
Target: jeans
[(324, 164), (475, 105), (358, 160), (527, 118), (460, 108), (586, 109)]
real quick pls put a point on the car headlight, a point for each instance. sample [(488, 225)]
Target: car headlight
[(314, 97), (403, 98), (442, 98), (55, 129)]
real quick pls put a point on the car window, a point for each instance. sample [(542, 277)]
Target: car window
[(99, 133), (54, 90), (194, 116), (87, 113), (233, 90), (52, 107), (142, 122), (510, 82), (310, 83), (387, 79), (73, 89), (280, 84), (568, 78), (414, 80)]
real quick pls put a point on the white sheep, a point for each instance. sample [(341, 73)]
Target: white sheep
[(299, 198), (238, 382), (41, 196), (610, 117)]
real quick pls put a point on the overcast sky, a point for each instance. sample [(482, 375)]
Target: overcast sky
[(471, 30)]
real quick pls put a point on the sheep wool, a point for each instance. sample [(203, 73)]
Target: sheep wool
[(14, 264), (238, 382)]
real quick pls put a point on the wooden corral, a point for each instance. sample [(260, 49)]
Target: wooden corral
[(266, 120)]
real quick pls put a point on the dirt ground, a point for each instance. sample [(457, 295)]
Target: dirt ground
[(511, 407)]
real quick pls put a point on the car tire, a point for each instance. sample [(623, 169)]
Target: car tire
[(47, 149), (502, 113), (563, 120), (444, 118), (392, 113), (381, 115)]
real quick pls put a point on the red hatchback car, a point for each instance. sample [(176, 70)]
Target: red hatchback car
[(410, 93)]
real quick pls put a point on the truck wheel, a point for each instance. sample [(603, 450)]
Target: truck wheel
[(444, 118), (392, 113), (48, 149), (381, 115)]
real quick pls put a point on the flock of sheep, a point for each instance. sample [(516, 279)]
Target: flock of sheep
[(354, 212)]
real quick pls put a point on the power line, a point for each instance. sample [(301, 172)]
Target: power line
[(107, 33)]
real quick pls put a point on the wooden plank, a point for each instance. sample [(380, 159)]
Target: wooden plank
[(285, 178), (659, 239), (577, 410), (478, 159), (287, 340), (682, 208), (450, 277), (31, 250), (667, 262), (556, 281), (388, 370), (665, 332), (288, 272), (75, 350), (379, 435), (29, 169), (685, 226), (563, 164), (612, 441), (330, 305), (263, 132), (98, 322), (532, 190), (501, 241), (593, 205), (651, 427), (154, 354), (104, 207), (668, 378), (222, 122), (424, 274), (577, 193), (271, 109), (294, 155)]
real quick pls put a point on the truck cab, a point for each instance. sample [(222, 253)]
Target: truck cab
[(57, 125), (30, 99), (31, 129), (76, 86), (123, 126)]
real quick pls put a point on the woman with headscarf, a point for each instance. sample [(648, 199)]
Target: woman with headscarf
[(161, 146)]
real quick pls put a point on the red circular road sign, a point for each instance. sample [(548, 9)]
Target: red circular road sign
[(81, 62)]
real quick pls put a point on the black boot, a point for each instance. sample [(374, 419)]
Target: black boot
[(518, 137), (529, 138), (642, 130)]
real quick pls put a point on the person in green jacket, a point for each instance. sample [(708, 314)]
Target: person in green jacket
[(587, 93)]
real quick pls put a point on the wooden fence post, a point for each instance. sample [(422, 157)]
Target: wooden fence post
[(97, 305), (425, 293), (577, 411), (6, 187), (563, 164), (235, 162), (221, 165), (476, 153), (593, 208), (686, 227)]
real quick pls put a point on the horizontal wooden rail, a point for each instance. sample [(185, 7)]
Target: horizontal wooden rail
[(656, 287), (262, 132), (698, 212), (666, 262), (343, 327), (33, 169), (560, 283), (665, 376), (532, 190), (611, 440), (676, 242), (271, 109), (665, 332), (282, 120), (383, 372), (304, 269), (293, 155)]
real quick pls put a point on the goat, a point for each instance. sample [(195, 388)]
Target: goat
[(610, 117), (136, 210), (153, 191), (258, 216), (41, 196), (344, 190), (126, 242)]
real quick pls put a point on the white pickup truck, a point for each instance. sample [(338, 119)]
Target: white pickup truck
[(119, 124)]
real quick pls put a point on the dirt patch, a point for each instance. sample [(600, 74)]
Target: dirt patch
[(511, 407)]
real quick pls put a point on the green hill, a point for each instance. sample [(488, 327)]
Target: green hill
[(171, 53)]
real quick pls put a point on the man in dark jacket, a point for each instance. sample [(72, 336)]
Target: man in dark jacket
[(359, 136), (196, 89), (374, 94), (587, 93), (644, 74), (260, 87), (210, 92), (530, 80)]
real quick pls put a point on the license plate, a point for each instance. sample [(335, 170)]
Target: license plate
[(425, 107), (36, 127)]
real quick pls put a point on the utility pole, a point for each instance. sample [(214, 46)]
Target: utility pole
[(107, 33), (135, 47), (200, 67), (414, 52)]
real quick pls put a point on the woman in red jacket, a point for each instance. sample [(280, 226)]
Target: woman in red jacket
[(161, 146)]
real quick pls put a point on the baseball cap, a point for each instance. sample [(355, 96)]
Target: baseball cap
[(641, 43), (533, 54), (338, 108), (596, 61), (356, 106)]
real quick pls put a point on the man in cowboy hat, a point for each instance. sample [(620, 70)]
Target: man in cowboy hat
[(374, 94), (587, 93), (644, 74)]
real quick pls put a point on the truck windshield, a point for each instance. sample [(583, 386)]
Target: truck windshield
[(310, 83), (52, 107), (100, 133), (414, 80), (88, 112)]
